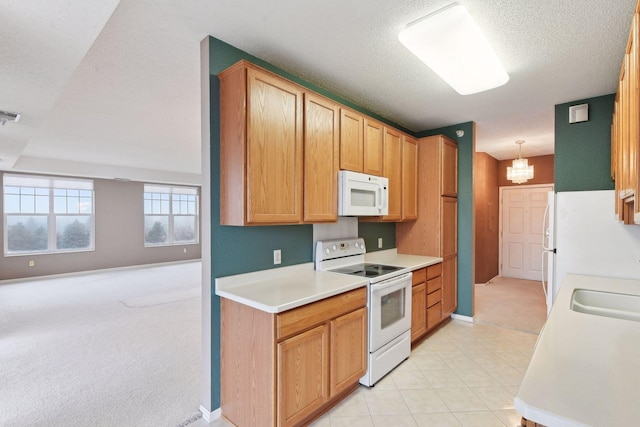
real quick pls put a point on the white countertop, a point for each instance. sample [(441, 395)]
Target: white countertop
[(280, 289), (392, 257), (585, 370)]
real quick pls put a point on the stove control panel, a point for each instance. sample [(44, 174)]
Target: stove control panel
[(330, 249)]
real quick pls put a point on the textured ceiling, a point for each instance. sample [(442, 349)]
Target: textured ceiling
[(112, 89)]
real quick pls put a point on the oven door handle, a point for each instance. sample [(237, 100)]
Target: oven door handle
[(390, 283)]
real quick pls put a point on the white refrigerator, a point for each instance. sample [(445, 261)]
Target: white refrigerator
[(549, 250), (585, 237)]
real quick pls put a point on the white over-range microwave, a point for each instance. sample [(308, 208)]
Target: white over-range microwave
[(362, 195)]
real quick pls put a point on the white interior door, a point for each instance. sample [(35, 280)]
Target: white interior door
[(521, 231)]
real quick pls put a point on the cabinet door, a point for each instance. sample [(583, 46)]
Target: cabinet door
[(274, 149), (321, 156), (409, 178), (303, 373), (393, 170), (449, 284), (449, 226), (418, 311), (348, 350), (434, 315), (449, 168), (373, 141), (351, 141)]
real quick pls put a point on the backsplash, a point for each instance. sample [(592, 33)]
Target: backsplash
[(350, 227), (371, 231), (345, 227)]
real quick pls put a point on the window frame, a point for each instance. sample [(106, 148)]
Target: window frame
[(170, 191), (50, 184)]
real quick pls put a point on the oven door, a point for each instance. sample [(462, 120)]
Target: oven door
[(389, 310)]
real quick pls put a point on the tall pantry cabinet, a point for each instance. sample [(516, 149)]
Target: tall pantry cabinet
[(435, 232)]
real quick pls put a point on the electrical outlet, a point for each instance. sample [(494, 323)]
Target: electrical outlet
[(277, 256), (32, 263), (185, 250), (379, 242)]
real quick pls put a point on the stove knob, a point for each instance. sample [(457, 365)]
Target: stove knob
[(327, 251), (357, 245), (333, 248)]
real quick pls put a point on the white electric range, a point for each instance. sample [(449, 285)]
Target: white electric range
[(388, 303)]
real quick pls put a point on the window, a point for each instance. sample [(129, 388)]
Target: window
[(170, 215), (47, 214)]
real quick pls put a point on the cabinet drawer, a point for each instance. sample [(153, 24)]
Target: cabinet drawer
[(434, 284), (434, 298), (301, 318), (419, 276), (434, 315), (434, 270)]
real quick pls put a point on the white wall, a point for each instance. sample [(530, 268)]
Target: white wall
[(590, 240)]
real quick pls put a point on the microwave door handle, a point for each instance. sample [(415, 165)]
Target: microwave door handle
[(379, 193)]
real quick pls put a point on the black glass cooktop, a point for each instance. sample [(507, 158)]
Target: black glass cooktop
[(367, 270)]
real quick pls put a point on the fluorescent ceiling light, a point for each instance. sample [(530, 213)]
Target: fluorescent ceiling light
[(453, 46)]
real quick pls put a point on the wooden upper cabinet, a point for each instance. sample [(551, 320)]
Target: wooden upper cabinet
[(261, 151), (409, 178), (361, 143), (393, 170), (449, 168), (373, 142), (625, 131), (351, 141), (321, 158)]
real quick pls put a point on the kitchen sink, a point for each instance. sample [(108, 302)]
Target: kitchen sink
[(607, 304)]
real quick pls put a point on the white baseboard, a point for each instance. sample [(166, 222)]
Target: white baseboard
[(210, 416), (463, 318), (99, 270)]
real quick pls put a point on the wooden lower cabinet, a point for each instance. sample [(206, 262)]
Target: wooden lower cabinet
[(418, 311), (285, 369), (349, 362), (426, 301), (434, 315), (449, 284), (303, 367)]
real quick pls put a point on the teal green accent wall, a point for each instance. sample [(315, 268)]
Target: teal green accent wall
[(237, 250), (370, 231), (583, 150), (465, 211)]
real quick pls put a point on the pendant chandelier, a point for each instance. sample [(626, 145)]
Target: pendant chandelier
[(520, 171)]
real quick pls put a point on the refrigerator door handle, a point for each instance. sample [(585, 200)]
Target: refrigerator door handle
[(544, 287), (545, 229)]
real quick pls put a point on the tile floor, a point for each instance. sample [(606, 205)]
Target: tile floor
[(465, 374)]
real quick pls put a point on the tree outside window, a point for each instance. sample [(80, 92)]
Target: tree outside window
[(47, 214), (171, 215)]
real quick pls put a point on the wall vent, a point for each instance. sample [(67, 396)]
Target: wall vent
[(6, 116)]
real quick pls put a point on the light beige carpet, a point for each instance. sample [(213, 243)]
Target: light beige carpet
[(110, 348), (511, 303)]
